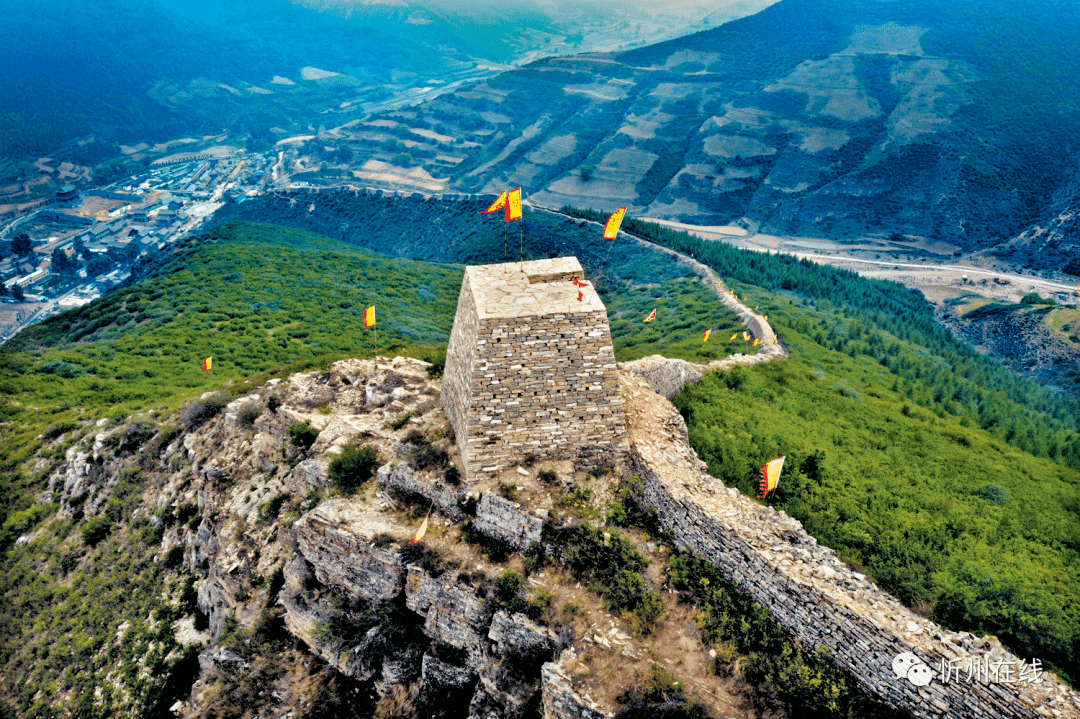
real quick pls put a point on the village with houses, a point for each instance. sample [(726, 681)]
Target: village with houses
[(72, 250)]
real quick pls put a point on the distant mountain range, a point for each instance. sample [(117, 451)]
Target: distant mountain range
[(945, 119), (129, 72)]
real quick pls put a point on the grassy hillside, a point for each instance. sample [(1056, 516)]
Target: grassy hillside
[(953, 483), (257, 298), (634, 280)]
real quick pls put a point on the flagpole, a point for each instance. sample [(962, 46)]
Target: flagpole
[(504, 242), (521, 236)]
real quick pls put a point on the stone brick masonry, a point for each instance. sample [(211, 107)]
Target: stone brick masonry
[(530, 368), (809, 591)]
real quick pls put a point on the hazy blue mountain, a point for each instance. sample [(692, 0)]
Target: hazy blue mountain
[(129, 72), (945, 119)]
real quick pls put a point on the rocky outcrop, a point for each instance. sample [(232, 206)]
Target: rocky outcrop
[(560, 699), (440, 679), (519, 635), (402, 477), (507, 521), (335, 538), (453, 615)]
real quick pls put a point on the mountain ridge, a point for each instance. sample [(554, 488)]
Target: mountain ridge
[(844, 118)]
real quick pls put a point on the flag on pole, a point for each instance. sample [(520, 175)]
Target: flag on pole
[(651, 317), (745, 337), (706, 337), (755, 343), (369, 317), (420, 532), (497, 204), (732, 339), (513, 206), (770, 476), (208, 363), (611, 228)]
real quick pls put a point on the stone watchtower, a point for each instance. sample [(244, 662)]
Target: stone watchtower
[(530, 368)]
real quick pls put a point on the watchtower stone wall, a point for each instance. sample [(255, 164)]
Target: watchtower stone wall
[(530, 368)]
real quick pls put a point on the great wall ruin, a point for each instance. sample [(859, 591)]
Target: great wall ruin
[(805, 587)]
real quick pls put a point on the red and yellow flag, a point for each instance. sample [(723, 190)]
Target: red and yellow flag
[(745, 337), (651, 317), (732, 339), (497, 204), (706, 337), (208, 363), (755, 343), (420, 532), (369, 317), (611, 227), (513, 206), (770, 476)]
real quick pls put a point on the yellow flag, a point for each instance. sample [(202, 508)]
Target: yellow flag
[(732, 339), (755, 343), (611, 228), (651, 317), (369, 317), (706, 338), (745, 337), (498, 204), (770, 476), (513, 206), (420, 532), (208, 363)]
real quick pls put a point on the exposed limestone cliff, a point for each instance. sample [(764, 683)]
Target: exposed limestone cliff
[(270, 542)]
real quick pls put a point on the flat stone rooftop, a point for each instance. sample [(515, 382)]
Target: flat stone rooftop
[(529, 289)]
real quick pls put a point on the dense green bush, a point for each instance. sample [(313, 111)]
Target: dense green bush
[(96, 529), (302, 435), (354, 466)]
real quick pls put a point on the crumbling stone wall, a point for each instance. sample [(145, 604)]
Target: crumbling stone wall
[(809, 591), (530, 368)]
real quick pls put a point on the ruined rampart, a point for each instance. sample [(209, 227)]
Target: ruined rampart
[(809, 591)]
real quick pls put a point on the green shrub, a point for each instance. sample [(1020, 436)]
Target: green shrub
[(96, 530), (302, 435), (135, 435), (173, 557), (249, 413), (67, 370), (354, 466), (453, 475), (399, 422), (274, 585), (269, 510), (199, 412), (59, 428), (995, 493), (22, 522)]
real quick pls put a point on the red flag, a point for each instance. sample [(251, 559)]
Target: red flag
[(208, 363), (497, 204), (513, 206), (580, 295), (611, 228), (369, 317)]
